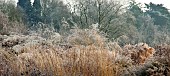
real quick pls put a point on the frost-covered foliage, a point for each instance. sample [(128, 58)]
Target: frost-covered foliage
[(83, 52), (57, 59), (96, 38), (7, 27), (139, 53), (151, 34), (86, 37), (147, 32)]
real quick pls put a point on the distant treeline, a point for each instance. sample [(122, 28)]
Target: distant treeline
[(127, 24)]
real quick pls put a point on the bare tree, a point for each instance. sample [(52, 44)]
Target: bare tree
[(97, 11)]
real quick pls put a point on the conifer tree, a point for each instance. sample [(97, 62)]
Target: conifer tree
[(159, 13), (27, 10), (37, 11)]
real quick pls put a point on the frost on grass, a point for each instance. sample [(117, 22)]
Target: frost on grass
[(83, 52)]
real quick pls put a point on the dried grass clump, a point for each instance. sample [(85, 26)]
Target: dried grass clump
[(86, 37), (139, 53), (90, 60), (7, 63), (75, 61)]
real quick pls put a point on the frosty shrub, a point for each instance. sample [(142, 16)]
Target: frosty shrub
[(3, 23), (7, 27), (86, 37), (43, 30), (46, 31), (163, 54), (139, 53), (160, 66), (158, 69)]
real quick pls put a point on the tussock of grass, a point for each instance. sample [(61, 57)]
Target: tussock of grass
[(79, 60)]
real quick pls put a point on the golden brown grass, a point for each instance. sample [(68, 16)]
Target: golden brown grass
[(50, 60)]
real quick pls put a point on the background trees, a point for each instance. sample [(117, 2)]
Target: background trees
[(37, 11), (152, 23), (25, 7), (52, 12), (125, 23), (111, 16), (159, 13), (10, 10)]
